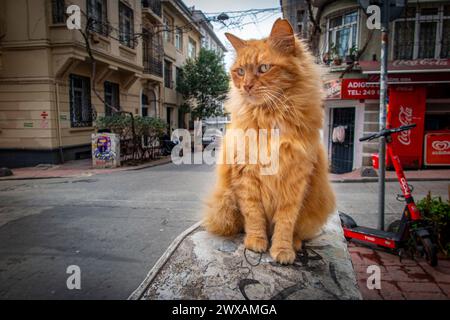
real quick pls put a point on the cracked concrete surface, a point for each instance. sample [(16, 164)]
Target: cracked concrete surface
[(205, 266)]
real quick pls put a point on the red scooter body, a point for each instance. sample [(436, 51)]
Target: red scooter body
[(410, 217)]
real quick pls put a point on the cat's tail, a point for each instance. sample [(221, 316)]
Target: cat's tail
[(222, 216)]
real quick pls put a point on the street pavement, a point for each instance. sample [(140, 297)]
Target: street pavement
[(115, 226)]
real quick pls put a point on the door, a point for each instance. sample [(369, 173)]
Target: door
[(341, 139)]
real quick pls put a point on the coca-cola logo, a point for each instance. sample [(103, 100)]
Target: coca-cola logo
[(405, 118), (441, 145), (421, 62)]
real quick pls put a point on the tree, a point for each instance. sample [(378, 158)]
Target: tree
[(203, 82)]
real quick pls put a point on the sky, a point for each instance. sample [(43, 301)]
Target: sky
[(250, 30)]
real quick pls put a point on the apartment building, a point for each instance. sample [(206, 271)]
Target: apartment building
[(418, 78), (182, 40), (48, 104)]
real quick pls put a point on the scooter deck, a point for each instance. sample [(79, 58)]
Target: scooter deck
[(377, 233)]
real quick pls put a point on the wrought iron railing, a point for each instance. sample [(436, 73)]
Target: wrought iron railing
[(154, 5), (152, 54)]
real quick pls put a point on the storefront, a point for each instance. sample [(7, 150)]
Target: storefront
[(419, 92)]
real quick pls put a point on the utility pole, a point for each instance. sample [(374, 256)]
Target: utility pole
[(383, 102)]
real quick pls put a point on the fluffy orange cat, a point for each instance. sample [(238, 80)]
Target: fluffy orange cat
[(276, 84)]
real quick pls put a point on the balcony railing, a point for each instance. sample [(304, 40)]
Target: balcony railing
[(152, 55), (154, 5)]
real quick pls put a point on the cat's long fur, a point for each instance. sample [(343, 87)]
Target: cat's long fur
[(292, 205)]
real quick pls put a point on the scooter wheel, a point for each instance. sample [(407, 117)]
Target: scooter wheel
[(430, 251)]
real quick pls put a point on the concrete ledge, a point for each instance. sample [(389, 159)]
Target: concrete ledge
[(199, 265)]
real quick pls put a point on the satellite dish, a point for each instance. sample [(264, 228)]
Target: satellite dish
[(395, 10)]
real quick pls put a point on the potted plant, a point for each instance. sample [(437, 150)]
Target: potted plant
[(351, 57), (334, 55)]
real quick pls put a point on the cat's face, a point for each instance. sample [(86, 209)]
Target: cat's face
[(263, 68)]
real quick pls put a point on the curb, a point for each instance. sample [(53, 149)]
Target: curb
[(84, 173)]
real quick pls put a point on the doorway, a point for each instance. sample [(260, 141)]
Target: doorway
[(341, 139)]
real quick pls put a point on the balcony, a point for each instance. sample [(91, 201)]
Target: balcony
[(153, 9), (152, 54)]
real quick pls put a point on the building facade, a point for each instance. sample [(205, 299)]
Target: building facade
[(49, 94), (182, 39), (418, 79)]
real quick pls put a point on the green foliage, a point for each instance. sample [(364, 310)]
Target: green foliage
[(203, 83), (437, 212), (121, 124)]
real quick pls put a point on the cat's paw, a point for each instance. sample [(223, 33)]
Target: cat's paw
[(256, 244), (283, 255)]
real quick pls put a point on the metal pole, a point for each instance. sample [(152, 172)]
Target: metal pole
[(383, 101)]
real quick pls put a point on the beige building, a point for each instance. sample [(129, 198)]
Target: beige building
[(182, 39), (47, 102)]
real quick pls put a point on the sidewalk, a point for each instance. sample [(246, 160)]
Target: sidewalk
[(412, 175), (75, 168), (405, 280)]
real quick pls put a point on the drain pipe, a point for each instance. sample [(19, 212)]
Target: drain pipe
[(58, 122)]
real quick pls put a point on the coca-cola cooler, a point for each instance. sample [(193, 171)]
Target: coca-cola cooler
[(406, 106)]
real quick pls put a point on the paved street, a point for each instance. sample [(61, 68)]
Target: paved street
[(115, 226)]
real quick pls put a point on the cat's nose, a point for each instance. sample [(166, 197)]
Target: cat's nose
[(248, 87)]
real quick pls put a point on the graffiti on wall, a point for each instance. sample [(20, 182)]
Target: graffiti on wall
[(102, 149)]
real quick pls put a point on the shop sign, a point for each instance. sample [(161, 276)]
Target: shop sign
[(332, 89), (437, 149), (359, 89)]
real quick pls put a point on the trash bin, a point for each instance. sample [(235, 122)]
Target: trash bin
[(105, 150)]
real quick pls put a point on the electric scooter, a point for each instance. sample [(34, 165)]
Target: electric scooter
[(409, 232)]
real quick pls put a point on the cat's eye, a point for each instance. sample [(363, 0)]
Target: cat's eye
[(264, 68), (240, 71)]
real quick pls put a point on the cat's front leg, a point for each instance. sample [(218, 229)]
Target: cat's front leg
[(290, 199), (255, 223)]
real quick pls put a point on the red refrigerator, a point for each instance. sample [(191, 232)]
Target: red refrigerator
[(406, 106)]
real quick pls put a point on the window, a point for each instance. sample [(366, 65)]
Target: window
[(126, 25), (168, 74), (423, 33), (342, 33), (168, 25), (58, 11), (178, 75), (192, 49), (97, 12), (179, 39), (80, 101), (112, 99)]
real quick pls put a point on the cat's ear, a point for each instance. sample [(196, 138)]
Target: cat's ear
[(236, 42), (282, 36)]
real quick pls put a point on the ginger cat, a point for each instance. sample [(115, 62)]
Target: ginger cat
[(275, 84)]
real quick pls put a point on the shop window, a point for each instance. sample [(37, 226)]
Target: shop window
[(112, 99), (58, 11), (80, 101), (126, 25), (97, 13), (342, 33)]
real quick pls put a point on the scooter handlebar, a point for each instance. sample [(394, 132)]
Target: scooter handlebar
[(386, 132)]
